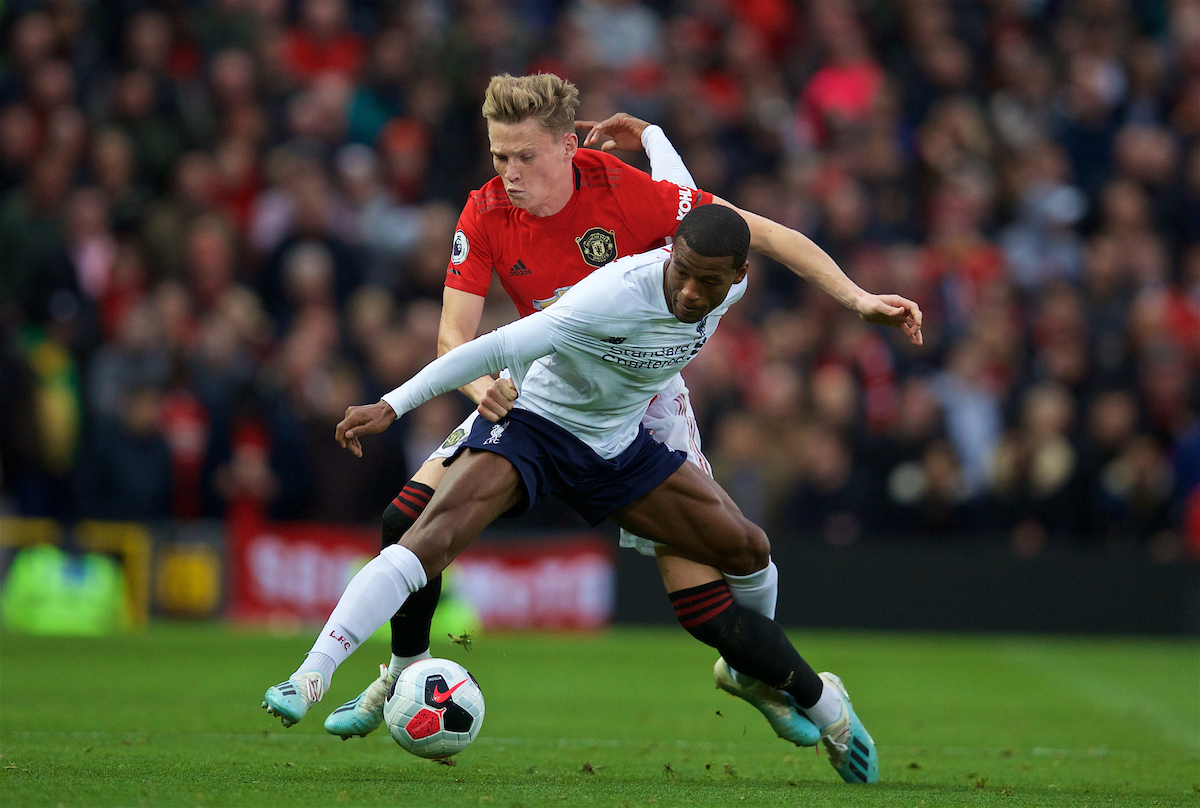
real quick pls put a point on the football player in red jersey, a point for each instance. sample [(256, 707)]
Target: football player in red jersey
[(553, 214)]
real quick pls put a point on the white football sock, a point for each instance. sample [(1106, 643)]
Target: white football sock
[(373, 595), (827, 709), (399, 663), (322, 663), (757, 591)]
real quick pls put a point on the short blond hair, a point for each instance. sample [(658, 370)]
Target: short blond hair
[(545, 96)]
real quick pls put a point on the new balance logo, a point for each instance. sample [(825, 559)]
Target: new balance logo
[(497, 432), (519, 268), (613, 340)]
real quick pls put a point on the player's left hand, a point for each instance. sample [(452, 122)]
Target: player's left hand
[(895, 311), (498, 400), (370, 419), (624, 130)]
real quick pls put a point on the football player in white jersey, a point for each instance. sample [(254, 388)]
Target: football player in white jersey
[(585, 370), (553, 215)]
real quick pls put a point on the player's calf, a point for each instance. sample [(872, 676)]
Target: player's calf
[(410, 624), (756, 646), (402, 511)]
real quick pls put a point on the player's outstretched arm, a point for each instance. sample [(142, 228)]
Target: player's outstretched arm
[(515, 345), (801, 255), (518, 342)]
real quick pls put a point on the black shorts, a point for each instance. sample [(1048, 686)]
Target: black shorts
[(551, 460)]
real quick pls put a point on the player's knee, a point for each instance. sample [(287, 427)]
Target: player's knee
[(750, 553), (434, 548)]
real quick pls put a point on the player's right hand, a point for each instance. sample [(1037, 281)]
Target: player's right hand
[(624, 130), (498, 400), (894, 310), (363, 420)]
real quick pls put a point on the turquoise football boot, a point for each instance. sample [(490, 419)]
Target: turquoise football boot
[(364, 713), (850, 748), (779, 708), (290, 700)]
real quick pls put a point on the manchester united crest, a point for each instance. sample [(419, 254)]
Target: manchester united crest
[(456, 437), (599, 246)]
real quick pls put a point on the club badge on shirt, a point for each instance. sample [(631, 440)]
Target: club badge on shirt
[(456, 437), (497, 433), (599, 246)]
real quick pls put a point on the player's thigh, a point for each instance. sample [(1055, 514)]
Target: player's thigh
[(690, 512), (680, 572), (476, 488)]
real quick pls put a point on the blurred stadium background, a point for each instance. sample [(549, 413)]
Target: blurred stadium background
[(221, 223)]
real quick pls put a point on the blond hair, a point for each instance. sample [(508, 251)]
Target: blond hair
[(545, 96)]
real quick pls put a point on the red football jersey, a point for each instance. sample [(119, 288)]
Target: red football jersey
[(616, 210)]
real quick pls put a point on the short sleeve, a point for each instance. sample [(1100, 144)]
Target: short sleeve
[(654, 208), (470, 267)]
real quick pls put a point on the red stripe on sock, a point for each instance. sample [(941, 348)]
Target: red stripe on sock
[(683, 611), (415, 504), (707, 591), (405, 509), (709, 615), (417, 493)]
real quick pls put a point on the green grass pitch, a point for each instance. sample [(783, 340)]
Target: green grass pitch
[(171, 717)]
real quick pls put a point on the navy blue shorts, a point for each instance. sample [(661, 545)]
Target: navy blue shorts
[(551, 460)]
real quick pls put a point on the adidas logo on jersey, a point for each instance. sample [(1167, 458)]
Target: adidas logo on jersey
[(519, 268), (613, 340)]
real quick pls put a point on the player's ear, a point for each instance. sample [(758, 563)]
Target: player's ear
[(741, 273), (571, 144)]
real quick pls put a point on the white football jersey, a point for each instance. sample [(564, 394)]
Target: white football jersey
[(592, 362)]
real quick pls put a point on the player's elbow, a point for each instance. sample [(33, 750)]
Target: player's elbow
[(449, 341)]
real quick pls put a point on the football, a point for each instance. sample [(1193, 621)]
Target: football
[(434, 709)]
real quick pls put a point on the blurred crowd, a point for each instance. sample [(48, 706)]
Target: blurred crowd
[(223, 222)]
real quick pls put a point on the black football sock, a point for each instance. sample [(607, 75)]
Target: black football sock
[(410, 625), (750, 642)]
